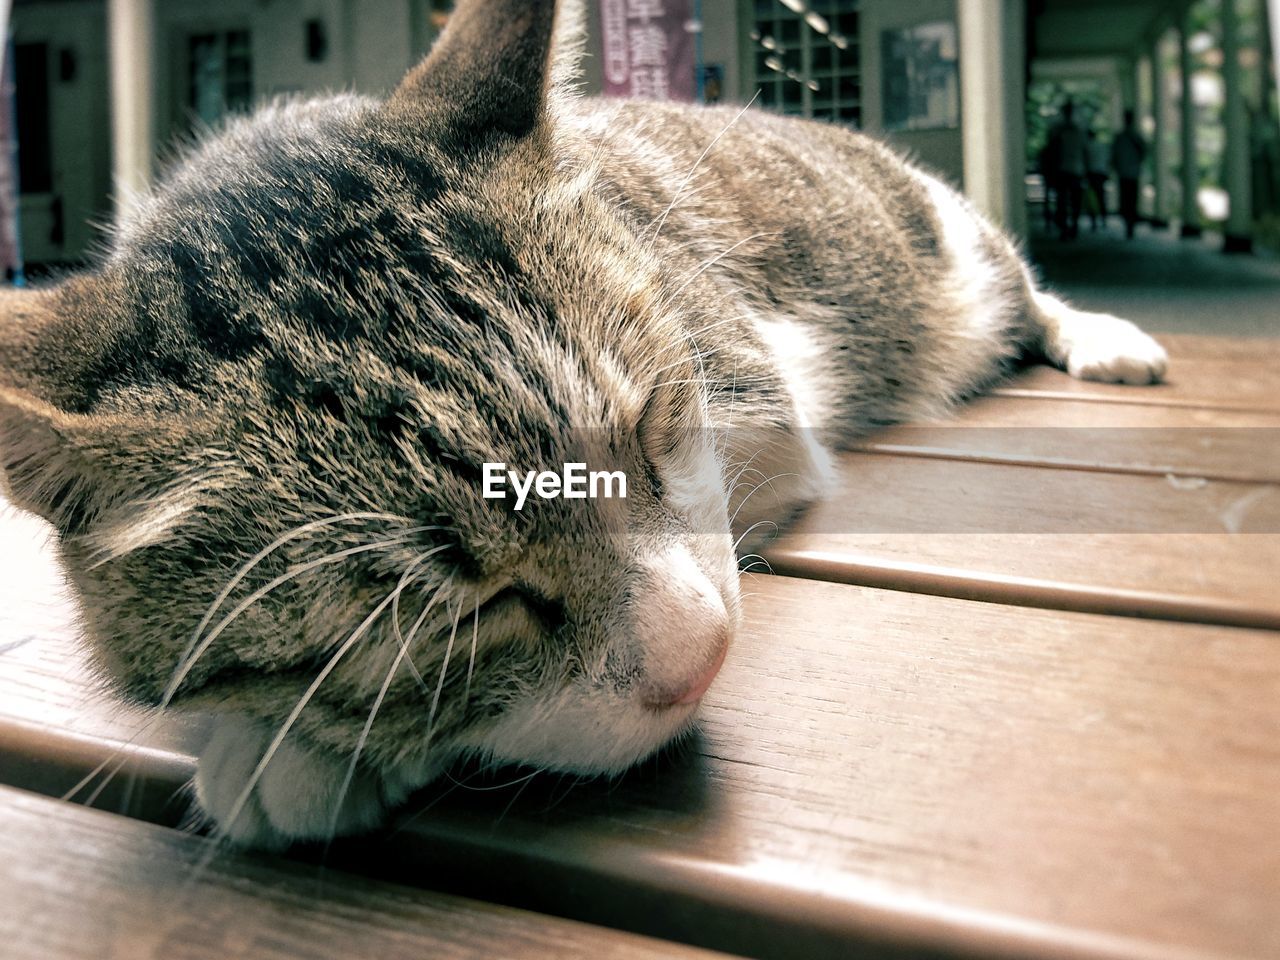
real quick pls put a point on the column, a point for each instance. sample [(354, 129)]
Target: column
[(1159, 150), (1190, 160), (131, 49), (992, 95), (1238, 237), (1128, 74)]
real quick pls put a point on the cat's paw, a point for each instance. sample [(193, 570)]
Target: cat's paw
[(296, 797), (1111, 350), (1117, 352)]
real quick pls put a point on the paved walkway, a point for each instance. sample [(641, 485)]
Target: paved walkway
[(1165, 284)]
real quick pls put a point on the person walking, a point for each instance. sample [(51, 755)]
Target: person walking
[(1049, 173), (1068, 144), (1098, 160), (1127, 152)]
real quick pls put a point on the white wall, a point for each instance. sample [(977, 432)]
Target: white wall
[(938, 149)]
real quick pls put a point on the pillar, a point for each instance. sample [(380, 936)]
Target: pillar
[(131, 50), (1237, 175), (1190, 159), (1128, 75), (1273, 18), (1159, 149), (992, 94)]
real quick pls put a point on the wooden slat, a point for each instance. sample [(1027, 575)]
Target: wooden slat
[(56, 721), (1204, 372), (1204, 384), (1081, 435), (898, 494), (1262, 351), (84, 884), (900, 772), (1063, 539)]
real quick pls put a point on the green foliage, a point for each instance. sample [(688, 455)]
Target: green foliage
[(1045, 100)]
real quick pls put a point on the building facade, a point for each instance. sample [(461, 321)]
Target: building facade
[(107, 88)]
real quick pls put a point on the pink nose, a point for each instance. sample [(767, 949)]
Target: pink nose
[(692, 691)]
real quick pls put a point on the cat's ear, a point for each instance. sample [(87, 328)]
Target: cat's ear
[(54, 462), (490, 71), (43, 464)]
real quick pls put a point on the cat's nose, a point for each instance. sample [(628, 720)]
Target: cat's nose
[(691, 691), (683, 631)]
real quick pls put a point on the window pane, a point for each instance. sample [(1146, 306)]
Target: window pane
[(206, 77)]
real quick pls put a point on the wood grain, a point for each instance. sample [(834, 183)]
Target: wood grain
[(1210, 373), (905, 772), (1199, 578), (83, 884), (1259, 351), (1112, 437), (57, 721), (881, 767), (891, 772), (1201, 382), (1063, 539), (903, 494)]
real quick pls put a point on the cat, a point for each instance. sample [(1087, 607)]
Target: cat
[(259, 422)]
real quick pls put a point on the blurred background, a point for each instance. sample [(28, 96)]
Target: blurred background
[(97, 92)]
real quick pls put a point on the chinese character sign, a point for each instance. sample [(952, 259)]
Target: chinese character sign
[(648, 48)]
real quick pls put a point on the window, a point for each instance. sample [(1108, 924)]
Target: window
[(220, 74), (805, 58)]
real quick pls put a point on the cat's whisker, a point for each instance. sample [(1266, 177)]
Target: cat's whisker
[(745, 533), (395, 620), (88, 778), (242, 799), (675, 198), (743, 469), (471, 661), (758, 560), (762, 483), (444, 669), (498, 786), (204, 645), (400, 656), (677, 383), (708, 264), (257, 558)]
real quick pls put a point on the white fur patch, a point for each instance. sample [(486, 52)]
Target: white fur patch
[(1098, 346), (579, 730), (975, 291), (140, 524), (803, 362)]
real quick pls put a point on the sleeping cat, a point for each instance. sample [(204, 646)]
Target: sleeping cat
[(259, 423)]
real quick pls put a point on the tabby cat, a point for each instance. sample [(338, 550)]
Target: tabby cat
[(259, 423)]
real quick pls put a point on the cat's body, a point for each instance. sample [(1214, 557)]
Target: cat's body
[(259, 424)]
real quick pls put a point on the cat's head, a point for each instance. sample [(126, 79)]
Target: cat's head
[(259, 425)]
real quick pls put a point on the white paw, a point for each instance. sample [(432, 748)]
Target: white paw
[(294, 798), (1112, 350)]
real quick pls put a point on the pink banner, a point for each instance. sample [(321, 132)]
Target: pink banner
[(10, 250), (648, 48)]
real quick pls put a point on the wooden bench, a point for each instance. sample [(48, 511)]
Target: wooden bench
[(1015, 692)]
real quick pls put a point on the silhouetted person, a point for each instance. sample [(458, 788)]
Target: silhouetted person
[(1069, 148), (1098, 160), (1049, 173), (1127, 151)]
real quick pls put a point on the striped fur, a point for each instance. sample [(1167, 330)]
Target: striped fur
[(259, 422)]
